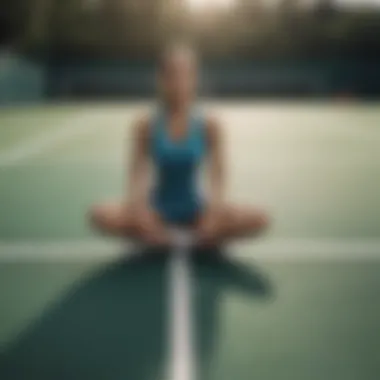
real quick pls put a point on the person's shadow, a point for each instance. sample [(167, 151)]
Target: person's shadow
[(114, 325)]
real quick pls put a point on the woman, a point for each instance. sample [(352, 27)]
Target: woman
[(175, 142)]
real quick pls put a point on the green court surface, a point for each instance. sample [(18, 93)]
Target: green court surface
[(301, 303)]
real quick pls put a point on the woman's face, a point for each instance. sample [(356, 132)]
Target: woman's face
[(178, 77)]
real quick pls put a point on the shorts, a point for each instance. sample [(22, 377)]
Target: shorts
[(184, 213)]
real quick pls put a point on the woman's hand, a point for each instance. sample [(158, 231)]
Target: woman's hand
[(208, 228), (149, 225), (142, 215)]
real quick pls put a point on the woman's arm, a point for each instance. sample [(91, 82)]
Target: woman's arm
[(139, 169), (216, 171)]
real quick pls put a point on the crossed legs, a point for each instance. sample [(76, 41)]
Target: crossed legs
[(120, 220)]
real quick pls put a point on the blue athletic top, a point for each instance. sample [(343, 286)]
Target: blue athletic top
[(176, 196)]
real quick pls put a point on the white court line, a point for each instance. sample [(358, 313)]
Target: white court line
[(29, 148), (359, 161), (181, 363), (263, 250)]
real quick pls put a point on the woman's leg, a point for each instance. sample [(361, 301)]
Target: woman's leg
[(235, 222), (121, 220)]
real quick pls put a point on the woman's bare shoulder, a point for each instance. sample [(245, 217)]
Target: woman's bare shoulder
[(213, 126), (141, 125)]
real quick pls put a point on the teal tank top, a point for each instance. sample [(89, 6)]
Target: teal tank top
[(176, 194)]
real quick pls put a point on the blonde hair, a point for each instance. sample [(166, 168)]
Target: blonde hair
[(178, 49)]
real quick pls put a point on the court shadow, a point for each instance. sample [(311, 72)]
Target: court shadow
[(110, 326), (113, 325), (215, 274)]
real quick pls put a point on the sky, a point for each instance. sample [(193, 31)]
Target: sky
[(342, 3), (351, 3), (224, 3)]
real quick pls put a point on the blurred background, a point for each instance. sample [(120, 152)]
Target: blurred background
[(292, 82), (53, 50)]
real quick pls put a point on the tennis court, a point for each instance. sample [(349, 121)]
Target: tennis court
[(301, 303)]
